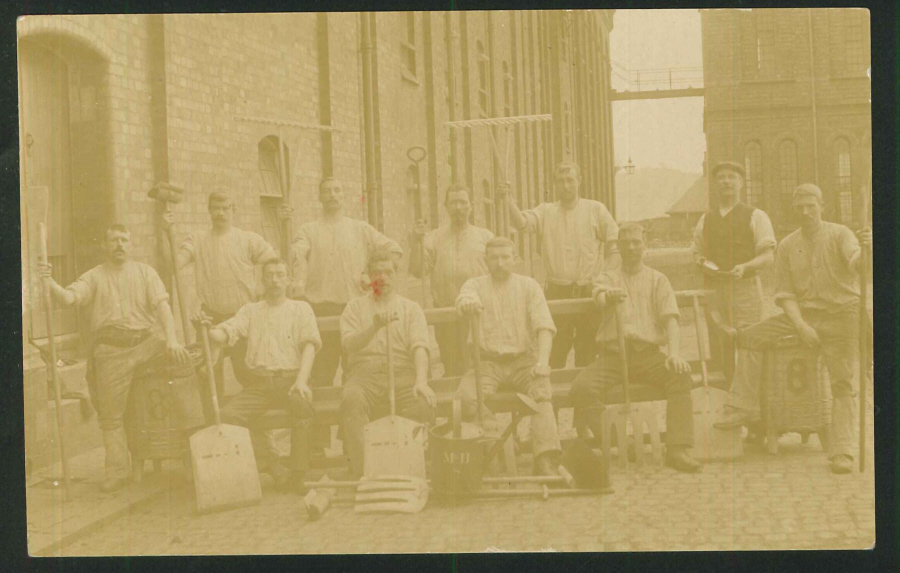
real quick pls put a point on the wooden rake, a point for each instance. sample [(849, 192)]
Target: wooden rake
[(502, 165)]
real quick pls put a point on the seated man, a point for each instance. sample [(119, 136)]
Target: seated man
[(650, 320), (817, 286), (366, 395), (282, 340), (514, 315)]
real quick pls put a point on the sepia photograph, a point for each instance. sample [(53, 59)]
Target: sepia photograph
[(447, 282)]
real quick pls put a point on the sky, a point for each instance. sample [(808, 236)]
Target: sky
[(665, 132)]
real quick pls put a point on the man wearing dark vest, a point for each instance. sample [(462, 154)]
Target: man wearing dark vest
[(733, 242)]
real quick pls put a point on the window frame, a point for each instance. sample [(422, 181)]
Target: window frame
[(754, 176)]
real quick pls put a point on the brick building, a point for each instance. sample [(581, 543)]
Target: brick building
[(113, 104), (788, 95)]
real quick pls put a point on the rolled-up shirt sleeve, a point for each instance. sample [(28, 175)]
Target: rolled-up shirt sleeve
[(156, 291), (666, 303), (417, 329), (351, 322), (83, 288), (381, 241), (698, 245), (238, 326), (784, 282), (534, 219), (468, 293), (260, 249), (541, 319), (763, 233), (609, 230), (307, 327)]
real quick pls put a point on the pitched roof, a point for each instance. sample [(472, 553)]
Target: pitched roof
[(694, 200)]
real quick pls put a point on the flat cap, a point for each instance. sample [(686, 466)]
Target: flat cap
[(730, 165)]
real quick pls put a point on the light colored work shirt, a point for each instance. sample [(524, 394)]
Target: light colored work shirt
[(815, 271), (760, 226), (408, 332), (276, 334), (512, 312), (225, 266), (453, 257), (572, 239), (335, 254), (650, 303), (124, 297)]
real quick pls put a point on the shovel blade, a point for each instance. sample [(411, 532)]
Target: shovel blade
[(224, 468), (394, 495), (394, 446), (710, 443)]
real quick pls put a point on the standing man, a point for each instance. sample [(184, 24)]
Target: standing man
[(517, 334), (817, 286), (128, 305), (452, 255), (650, 320), (574, 233), (330, 257), (739, 241), (366, 394), (225, 260), (282, 338)]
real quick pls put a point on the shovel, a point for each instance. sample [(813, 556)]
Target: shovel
[(225, 474), (393, 459)]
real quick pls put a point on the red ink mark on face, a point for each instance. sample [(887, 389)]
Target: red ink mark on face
[(376, 285)]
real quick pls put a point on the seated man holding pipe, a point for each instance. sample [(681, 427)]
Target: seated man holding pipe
[(282, 339), (366, 394), (650, 320), (515, 347)]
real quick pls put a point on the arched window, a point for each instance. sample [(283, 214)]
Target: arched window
[(488, 201), (787, 176), (843, 180), (483, 62), (754, 179), (272, 185)]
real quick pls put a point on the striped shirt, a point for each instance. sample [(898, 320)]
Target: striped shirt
[(815, 271), (125, 296), (572, 239), (452, 257), (276, 334), (407, 333), (651, 301), (512, 312)]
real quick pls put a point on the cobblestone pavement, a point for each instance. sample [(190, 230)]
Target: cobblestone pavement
[(790, 500)]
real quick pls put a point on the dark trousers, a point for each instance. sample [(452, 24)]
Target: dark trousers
[(266, 393), (646, 365), (579, 331), (452, 339), (366, 397), (328, 358)]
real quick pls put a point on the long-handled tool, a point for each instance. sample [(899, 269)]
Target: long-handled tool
[(54, 375), (169, 194), (621, 428), (502, 166), (224, 467), (394, 458), (863, 327), (417, 155)]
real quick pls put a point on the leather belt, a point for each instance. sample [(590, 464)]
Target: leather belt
[(121, 338), (266, 375), (501, 356)]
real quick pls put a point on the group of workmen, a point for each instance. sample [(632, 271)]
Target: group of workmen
[(345, 267)]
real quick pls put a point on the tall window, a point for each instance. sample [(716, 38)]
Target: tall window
[(853, 34), (272, 188), (488, 202), (408, 46), (483, 78), (765, 42), (754, 179), (847, 30), (843, 182), (787, 177)]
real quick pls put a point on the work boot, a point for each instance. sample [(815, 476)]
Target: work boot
[(110, 485), (678, 458), (735, 418), (546, 465), (841, 464)]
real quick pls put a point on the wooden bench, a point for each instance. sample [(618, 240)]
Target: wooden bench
[(327, 400)]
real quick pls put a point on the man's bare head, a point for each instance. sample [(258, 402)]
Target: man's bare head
[(117, 243)]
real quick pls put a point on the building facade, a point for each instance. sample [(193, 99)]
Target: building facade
[(788, 95), (113, 104)]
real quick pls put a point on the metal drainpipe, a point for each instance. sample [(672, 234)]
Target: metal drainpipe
[(451, 92), (815, 113), (368, 117)]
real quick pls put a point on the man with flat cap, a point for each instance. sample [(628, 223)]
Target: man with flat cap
[(733, 242), (817, 286)]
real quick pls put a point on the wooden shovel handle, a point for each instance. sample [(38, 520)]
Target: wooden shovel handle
[(620, 335), (390, 366), (210, 376), (475, 321)]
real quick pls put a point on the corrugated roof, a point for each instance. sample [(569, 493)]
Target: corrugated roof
[(694, 200)]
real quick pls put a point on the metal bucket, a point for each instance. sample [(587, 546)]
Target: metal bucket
[(457, 462)]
